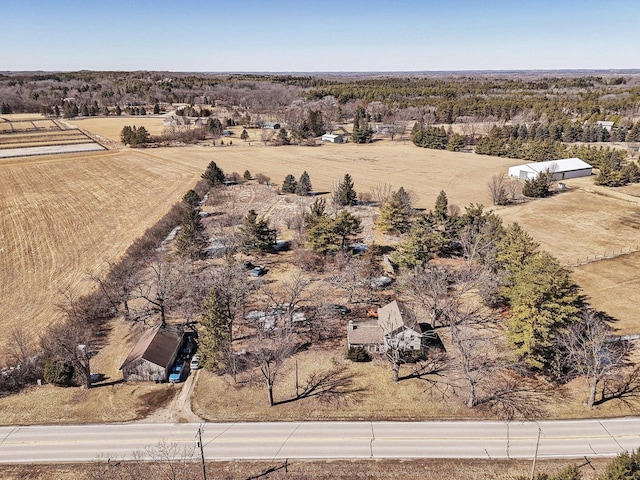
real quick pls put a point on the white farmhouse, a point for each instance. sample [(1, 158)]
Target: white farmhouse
[(560, 169), (332, 138)]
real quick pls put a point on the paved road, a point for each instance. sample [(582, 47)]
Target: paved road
[(326, 440)]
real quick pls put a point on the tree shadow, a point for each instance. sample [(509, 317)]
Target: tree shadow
[(334, 385), (103, 383), (623, 387), (265, 474)]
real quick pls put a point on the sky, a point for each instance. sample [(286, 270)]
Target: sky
[(318, 36)]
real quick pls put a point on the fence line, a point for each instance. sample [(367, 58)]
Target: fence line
[(607, 255)]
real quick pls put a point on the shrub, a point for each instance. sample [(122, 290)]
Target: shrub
[(358, 354), (59, 372)]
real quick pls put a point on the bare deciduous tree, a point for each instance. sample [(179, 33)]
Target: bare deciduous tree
[(431, 288), (284, 299), (158, 289), (498, 190), (587, 351), (270, 351)]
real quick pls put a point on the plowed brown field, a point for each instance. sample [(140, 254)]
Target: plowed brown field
[(65, 215)]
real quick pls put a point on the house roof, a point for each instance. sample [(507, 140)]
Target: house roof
[(331, 135), (366, 332), (555, 166), (156, 346), (603, 123), (395, 315)]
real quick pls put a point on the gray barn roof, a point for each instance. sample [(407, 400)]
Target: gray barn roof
[(156, 346)]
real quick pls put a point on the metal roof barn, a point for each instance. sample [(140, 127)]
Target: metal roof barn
[(560, 169)]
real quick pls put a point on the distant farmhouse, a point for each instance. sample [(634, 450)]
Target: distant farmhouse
[(176, 121), (606, 125), (152, 357), (332, 138), (394, 326), (560, 169), (384, 128), (271, 125)]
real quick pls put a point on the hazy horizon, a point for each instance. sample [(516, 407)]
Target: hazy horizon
[(332, 37)]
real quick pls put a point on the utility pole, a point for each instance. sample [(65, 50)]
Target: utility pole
[(535, 457), (199, 444)]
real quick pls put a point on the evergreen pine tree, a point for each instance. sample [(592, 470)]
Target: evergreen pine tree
[(303, 188), (289, 184), (345, 195), (191, 198), (214, 175), (441, 210), (362, 132), (214, 344), (395, 213), (543, 300), (626, 466), (424, 240), (318, 211), (255, 235), (244, 135), (191, 241)]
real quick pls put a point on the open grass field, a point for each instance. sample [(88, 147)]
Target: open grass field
[(613, 286), (579, 223), (463, 176), (110, 127), (62, 216), (584, 222)]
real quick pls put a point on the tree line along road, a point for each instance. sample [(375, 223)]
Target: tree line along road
[(324, 440)]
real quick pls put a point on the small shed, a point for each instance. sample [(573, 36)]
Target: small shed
[(560, 169), (271, 125), (332, 138), (153, 355)]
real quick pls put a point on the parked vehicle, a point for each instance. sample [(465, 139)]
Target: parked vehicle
[(258, 271), (337, 309), (177, 373), (195, 363)]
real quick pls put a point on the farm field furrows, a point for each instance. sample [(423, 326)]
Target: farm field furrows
[(65, 215)]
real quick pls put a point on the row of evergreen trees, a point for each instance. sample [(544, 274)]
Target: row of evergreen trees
[(300, 187), (135, 136)]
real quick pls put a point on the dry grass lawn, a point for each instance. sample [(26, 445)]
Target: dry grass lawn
[(463, 176), (111, 127), (613, 286), (338, 469), (578, 223), (63, 215), (377, 397), (108, 401), (589, 221)]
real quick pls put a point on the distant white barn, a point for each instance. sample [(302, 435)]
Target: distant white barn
[(332, 138), (561, 169)]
